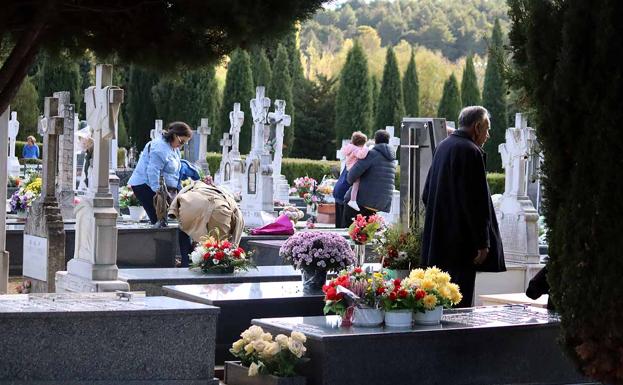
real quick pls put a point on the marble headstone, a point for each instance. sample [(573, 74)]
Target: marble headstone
[(516, 213), (13, 163), (94, 265)]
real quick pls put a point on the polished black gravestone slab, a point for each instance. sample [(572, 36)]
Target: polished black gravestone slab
[(93, 339), (138, 245), (241, 302), (266, 253), (486, 345), (151, 281)]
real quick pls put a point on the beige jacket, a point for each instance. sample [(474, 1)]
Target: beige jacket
[(200, 208)]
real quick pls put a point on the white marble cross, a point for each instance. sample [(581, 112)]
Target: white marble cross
[(281, 120), (225, 143), (203, 131), (13, 131), (236, 119), (156, 132), (259, 110), (514, 153), (102, 101), (394, 142)]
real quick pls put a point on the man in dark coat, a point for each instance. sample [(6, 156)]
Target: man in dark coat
[(461, 233), (376, 174)]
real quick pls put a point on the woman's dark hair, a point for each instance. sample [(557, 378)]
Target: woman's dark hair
[(177, 129)]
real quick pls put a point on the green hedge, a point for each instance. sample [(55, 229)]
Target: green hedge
[(293, 168), (19, 147)]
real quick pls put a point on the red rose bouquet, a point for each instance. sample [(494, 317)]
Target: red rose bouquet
[(364, 229), (219, 256)]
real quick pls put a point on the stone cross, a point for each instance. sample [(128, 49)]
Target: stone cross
[(394, 142), (156, 132), (13, 131), (259, 110), (52, 128), (340, 156), (4, 255), (515, 154), (225, 143), (281, 120), (236, 119), (204, 130)]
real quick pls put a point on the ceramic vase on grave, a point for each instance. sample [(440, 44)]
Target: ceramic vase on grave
[(399, 318), (429, 317), (398, 273), (366, 317), (22, 214), (237, 374), (360, 253), (313, 280), (136, 213)]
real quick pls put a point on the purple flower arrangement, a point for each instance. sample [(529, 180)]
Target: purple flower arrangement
[(317, 250), (22, 199)]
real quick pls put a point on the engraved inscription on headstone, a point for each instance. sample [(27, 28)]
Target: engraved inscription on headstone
[(35, 257)]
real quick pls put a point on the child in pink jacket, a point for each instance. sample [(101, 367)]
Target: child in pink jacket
[(354, 151)]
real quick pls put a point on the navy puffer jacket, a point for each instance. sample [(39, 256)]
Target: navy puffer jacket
[(376, 174)]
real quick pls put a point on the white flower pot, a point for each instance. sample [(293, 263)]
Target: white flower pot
[(367, 317), (399, 318), (429, 317), (136, 213)]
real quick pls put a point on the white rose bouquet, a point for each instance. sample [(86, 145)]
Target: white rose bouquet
[(264, 355)]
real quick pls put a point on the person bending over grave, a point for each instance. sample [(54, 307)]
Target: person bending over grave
[(376, 175), (354, 151), (30, 150), (461, 233), (161, 157)]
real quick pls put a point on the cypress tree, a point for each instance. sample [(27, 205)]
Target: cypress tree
[(470, 94), (450, 104), (262, 73), (140, 105), (374, 84), (281, 88), (564, 62), (25, 103), (238, 89), (494, 98), (390, 107), (59, 73), (411, 89), (353, 105)]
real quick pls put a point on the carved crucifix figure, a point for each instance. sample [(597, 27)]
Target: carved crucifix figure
[(259, 109), (280, 120), (236, 119)]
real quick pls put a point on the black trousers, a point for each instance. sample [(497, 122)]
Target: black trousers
[(339, 215), (350, 214), (145, 195), (466, 279)]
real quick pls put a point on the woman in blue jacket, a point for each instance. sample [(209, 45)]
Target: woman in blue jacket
[(30, 149)]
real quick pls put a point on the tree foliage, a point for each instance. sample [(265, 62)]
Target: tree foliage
[(450, 104), (390, 108), (411, 89), (59, 73), (139, 105), (281, 88), (353, 104), (238, 89), (470, 94), (25, 103), (563, 59), (262, 73), (494, 99)]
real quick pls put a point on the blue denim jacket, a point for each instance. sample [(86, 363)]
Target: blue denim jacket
[(158, 157)]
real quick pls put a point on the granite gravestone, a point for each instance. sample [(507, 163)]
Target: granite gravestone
[(419, 138), (65, 181), (93, 267), (44, 232), (13, 163), (4, 255), (478, 346), (516, 213), (95, 339), (281, 188), (242, 302), (257, 192)]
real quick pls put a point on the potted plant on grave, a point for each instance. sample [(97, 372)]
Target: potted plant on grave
[(400, 251), (362, 231), (367, 287), (326, 205), (398, 300), (315, 253), (433, 292), (127, 200), (304, 185), (215, 255), (266, 360), (24, 197)]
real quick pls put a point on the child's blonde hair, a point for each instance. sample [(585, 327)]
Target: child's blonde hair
[(358, 138)]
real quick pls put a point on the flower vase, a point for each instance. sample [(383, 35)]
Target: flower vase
[(22, 214), (347, 317), (136, 213), (429, 317), (237, 374), (399, 318), (313, 280), (360, 254), (398, 273), (367, 317)]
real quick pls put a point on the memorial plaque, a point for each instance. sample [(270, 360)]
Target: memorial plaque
[(227, 173), (35, 257), (252, 179)]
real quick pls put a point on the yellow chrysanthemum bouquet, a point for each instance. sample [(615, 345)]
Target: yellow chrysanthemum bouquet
[(433, 287)]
